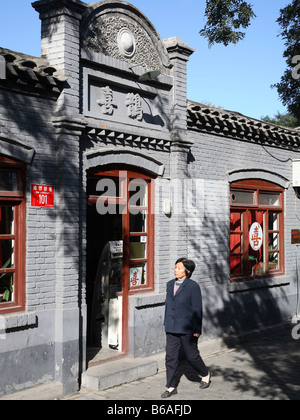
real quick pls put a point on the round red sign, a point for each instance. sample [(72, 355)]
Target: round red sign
[(256, 236)]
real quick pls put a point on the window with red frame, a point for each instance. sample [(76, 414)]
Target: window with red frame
[(129, 194), (260, 203), (12, 236)]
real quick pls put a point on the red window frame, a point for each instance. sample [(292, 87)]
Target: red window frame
[(246, 264), (17, 200)]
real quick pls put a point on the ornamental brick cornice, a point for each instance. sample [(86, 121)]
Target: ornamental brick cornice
[(29, 74), (234, 125)]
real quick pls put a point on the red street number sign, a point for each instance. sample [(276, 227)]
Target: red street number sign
[(42, 195)]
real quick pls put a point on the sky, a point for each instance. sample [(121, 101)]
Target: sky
[(236, 78)]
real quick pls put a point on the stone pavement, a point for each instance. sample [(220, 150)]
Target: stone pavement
[(264, 365), (267, 367)]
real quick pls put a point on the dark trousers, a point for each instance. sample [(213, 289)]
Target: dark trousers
[(189, 345)]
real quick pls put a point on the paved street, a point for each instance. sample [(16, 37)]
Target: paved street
[(267, 368)]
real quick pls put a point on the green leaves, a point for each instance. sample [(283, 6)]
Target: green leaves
[(285, 120), (6, 294), (225, 18), (289, 86)]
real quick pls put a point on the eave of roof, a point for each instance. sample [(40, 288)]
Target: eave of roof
[(230, 124), (33, 75)]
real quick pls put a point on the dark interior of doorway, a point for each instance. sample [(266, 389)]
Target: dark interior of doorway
[(100, 230)]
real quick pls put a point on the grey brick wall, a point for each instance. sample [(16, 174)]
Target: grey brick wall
[(213, 157), (26, 120)]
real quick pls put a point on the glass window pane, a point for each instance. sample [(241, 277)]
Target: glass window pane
[(235, 243), (256, 264), (235, 222), (106, 187), (138, 189), (273, 241), (6, 253), (137, 249), (273, 221), (235, 265), (242, 197), (269, 199), (6, 220), (138, 222), (8, 181), (6, 287), (273, 261)]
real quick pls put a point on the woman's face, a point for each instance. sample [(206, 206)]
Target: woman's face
[(179, 271)]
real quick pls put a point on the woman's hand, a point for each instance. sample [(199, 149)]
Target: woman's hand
[(197, 335)]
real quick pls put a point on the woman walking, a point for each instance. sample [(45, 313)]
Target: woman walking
[(183, 325)]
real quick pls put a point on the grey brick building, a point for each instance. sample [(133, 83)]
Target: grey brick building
[(108, 175)]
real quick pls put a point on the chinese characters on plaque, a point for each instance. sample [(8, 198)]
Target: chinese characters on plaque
[(106, 101), (134, 106), (133, 103), (42, 195)]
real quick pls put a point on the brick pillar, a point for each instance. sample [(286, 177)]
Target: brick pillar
[(70, 309), (179, 53), (61, 46)]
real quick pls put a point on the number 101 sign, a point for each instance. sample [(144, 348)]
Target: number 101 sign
[(42, 195)]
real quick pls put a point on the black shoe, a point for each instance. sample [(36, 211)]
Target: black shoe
[(205, 385), (168, 394)]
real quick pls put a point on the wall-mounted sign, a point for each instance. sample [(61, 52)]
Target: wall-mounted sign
[(295, 236), (42, 195), (256, 236)]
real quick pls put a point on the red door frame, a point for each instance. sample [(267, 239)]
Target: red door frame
[(123, 199)]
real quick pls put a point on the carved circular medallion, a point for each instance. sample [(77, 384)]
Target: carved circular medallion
[(126, 42)]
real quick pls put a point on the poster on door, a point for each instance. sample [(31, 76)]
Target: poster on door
[(135, 275)]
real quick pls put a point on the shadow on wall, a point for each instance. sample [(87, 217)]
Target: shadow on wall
[(231, 313), (266, 363)]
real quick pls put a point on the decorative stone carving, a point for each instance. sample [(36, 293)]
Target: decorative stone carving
[(126, 43), (123, 39)]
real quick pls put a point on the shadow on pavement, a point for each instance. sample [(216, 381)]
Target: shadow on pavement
[(268, 368)]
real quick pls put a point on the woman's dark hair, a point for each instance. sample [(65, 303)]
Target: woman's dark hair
[(189, 266)]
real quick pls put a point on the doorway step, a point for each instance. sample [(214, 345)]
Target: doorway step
[(118, 372)]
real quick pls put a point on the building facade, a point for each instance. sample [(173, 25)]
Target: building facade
[(108, 175)]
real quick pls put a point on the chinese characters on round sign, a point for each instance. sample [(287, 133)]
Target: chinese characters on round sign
[(256, 236)]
